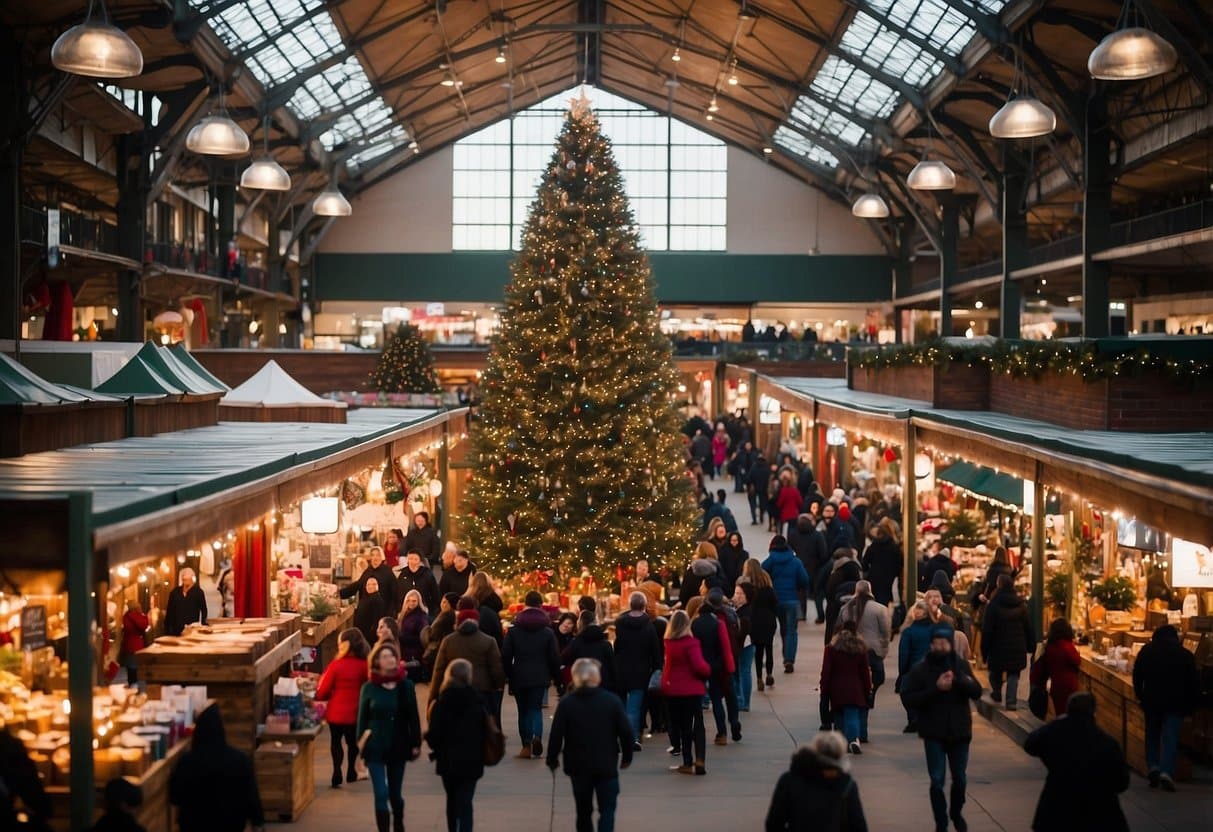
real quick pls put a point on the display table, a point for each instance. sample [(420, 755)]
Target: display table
[(323, 635), (285, 770), (1117, 712)]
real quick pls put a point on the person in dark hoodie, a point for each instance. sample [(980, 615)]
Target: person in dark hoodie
[(591, 643), (637, 655), (845, 572), (1167, 685), (532, 663), (838, 532), (788, 576), (939, 690), (810, 546), (756, 480), (732, 556), (122, 798), (209, 768), (883, 560), (593, 732), (1006, 640), (940, 559), (712, 630), (1087, 771), (704, 569), (816, 794)]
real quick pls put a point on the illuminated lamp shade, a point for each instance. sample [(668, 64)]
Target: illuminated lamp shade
[(931, 175), (265, 174), (870, 207), (217, 135), (836, 437), (1130, 55), (331, 203), (97, 49), (435, 487), (318, 515), (1022, 118)]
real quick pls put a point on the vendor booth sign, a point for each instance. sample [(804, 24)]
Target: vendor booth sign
[(1191, 564)]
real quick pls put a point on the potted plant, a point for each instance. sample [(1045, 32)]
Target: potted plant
[(1057, 591), (1117, 595)]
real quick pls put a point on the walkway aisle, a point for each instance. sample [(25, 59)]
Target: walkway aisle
[(517, 794)]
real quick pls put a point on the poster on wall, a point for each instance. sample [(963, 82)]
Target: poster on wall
[(1191, 564)]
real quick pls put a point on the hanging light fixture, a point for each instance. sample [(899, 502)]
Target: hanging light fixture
[(500, 55), (331, 202), (931, 174), (733, 73), (677, 56), (870, 207), (97, 48), (217, 135), (1132, 52), (1023, 116), (265, 174), (713, 106)]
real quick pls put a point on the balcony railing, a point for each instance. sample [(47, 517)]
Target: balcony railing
[(1177, 220), (74, 230), (188, 259), (736, 351)]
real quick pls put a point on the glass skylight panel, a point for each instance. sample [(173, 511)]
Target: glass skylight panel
[(801, 146), (839, 80), (821, 119), (878, 46)]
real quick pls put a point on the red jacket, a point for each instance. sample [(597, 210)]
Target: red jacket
[(685, 669), (340, 686), (788, 502), (134, 629), (846, 678), (1060, 661)]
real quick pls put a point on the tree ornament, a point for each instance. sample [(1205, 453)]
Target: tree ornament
[(512, 520), (571, 165), (589, 167), (539, 297), (585, 291)]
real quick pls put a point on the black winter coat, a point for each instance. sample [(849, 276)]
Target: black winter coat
[(490, 624), (387, 587), (370, 609), (456, 733), (882, 564), (529, 655), (810, 546), (841, 583), (706, 628), (731, 563), (1006, 633), (701, 571), (1087, 771), (184, 608), (942, 715), (758, 477), (592, 729), (424, 542), (591, 643), (1164, 676), (813, 796), (934, 564), (423, 581), (208, 769), (455, 581), (637, 651), (763, 616)]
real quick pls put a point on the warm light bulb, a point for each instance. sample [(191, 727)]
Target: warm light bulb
[(676, 57)]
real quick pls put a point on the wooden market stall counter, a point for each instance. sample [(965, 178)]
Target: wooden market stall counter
[(285, 764), (237, 659), (322, 635)]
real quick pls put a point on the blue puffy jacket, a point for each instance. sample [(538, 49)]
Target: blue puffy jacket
[(914, 645), (787, 573)]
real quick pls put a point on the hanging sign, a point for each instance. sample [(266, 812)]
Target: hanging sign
[(1191, 564), (33, 627)]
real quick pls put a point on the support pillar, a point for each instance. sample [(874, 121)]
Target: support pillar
[(82, 662), (909, 517), (754, 416), (815, 443), (444, 477), (226, 198), (133, 186), (1096, 215), (14, 111), (949, 235), (902, 272), (1014, 241), (1038, 554)]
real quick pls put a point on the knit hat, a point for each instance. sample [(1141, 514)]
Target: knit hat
[(452, 599), (942, 631), (844, 512), (467, 611), (715, 598)]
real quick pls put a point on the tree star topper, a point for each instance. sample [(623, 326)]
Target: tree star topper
[(580, 106)]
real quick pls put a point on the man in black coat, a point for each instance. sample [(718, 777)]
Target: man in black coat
[(592, 729), (706, 628), (637, 655), (757, 479), (423, 539), (845, 572), (1168, 688), (378, 569), (457, 577), (186, 604), (938, 689), (531, 663), (417, 575), (1007, 638), (213, 786), (810, 546), (1087, 771)]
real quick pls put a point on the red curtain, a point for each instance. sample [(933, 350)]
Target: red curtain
[(200, 334), (250, 570), (58, 325)]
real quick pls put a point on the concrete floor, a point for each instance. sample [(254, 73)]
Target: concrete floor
[(520, 794)]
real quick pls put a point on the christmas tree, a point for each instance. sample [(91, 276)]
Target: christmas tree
[(406, 365), (580, 462)]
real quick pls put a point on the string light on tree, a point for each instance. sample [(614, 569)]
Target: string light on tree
[(579, 455), (406, 365)]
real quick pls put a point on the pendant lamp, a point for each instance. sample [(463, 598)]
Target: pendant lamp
[(331, 202), (265, 174), (217, 135), (931, 175), (96, 48), (870, 207), (1023, 118), (1132, 52)]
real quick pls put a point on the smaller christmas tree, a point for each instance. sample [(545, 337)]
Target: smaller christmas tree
[(406, 365)]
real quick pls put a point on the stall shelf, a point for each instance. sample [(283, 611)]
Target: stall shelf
[(286, 771)]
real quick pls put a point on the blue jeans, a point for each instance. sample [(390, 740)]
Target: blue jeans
[(789, 612), (743, 679), (942, 756), (387, 779), (1162, 741), (852, 718), (530, 713), (720, 692), (633, 703), (585, 788)]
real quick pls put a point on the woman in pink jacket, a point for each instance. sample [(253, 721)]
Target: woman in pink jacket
[(682, 684), (720, 451)]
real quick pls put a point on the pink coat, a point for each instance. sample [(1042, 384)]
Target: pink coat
[(720, 448), (685, 669)]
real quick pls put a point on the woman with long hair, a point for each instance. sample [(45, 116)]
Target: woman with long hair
[(488, 604), (389, 732), (414, 620), (456, 736), (764, 614), (387, 630), (683, 678), (340, 686), (846, 682), (1058, 665), (873, 624)]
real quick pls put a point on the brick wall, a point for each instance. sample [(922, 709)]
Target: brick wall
[(1063, 400), (905, 382), (956, 388), (1155, 405), (799, 369), (318, 370), (960, 387)]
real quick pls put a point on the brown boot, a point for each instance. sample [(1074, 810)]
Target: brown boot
[(525, 753), (700, 768)]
